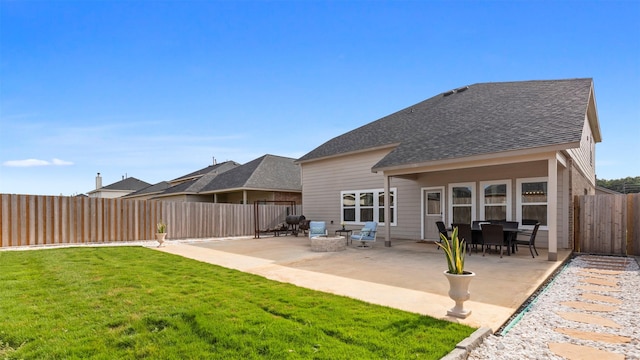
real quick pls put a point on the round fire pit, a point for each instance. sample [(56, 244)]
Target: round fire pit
[(325, 243)]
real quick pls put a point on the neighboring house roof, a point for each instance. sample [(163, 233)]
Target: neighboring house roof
[(191, 186), (604, 190), (193, 182), (483, 118), (129, 183), (221, 167), (268, 172), (152, 189)]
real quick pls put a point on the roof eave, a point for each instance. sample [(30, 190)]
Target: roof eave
[(355, 152), (481, 160), (592, 117)]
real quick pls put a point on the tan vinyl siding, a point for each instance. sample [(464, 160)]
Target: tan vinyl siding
[(499, 172), (584, 157), (324, 180)]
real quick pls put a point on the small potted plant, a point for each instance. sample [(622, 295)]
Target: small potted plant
[(459, 279), (161, 232), (342, 223)]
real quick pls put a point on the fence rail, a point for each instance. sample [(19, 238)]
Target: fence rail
[(51, 220), (607, 224)]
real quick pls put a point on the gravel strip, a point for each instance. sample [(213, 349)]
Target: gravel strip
[(529, 337)]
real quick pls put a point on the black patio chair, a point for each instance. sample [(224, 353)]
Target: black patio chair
[(492, 234), (464, 232), (442, 229), (531, 241)]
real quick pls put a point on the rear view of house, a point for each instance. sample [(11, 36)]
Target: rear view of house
[(515, 151)]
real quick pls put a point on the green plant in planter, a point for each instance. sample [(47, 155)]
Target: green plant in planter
[(161, 227), (455, 251)]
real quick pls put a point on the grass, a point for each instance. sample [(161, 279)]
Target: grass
[(134, 302)]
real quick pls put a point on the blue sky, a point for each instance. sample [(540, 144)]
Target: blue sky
[(156, 89)]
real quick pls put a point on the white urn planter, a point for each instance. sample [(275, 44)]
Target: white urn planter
[(459, 292), (160, 237)]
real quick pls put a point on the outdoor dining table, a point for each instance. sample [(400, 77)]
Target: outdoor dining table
[(510, 234)]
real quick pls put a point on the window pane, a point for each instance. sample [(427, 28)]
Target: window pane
[(495, 213), (349, 199), (434, 204), (535, 212), (495, 194), (461, 195), (462, 215), (381, 215), (349, 214), (534, 192), (366, 214), (366, 199)]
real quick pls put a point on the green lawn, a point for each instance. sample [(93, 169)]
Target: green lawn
[(133, 302)]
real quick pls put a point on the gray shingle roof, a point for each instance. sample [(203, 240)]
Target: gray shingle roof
[(220, 167), (192, 186), (129, 183), (268, 172), (163, 185), (479, 119)]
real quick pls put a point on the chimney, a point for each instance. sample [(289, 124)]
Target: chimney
[(98, 181)]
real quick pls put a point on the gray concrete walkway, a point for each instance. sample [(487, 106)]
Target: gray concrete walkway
[(407, 276)]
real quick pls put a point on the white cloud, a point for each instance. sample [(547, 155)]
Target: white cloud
[(35, 162), (61, 162)]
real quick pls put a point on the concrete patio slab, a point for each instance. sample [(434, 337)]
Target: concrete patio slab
[(407, 276)]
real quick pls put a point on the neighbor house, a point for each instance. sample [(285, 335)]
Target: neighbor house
[(508, 150), (118, 189), (269, 177), (149, 192), (187, 187)]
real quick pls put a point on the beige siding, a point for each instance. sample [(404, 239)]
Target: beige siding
[(324, 180), (584, 156), (488, 173)]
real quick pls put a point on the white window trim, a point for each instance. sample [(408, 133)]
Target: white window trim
[(376, 205), (519, 200), (471, 185), (509, 197)]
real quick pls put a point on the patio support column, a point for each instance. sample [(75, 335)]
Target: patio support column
[(552, 207), (387, 212), (244, 196)]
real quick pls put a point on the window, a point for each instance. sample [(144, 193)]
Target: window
[(532, 200), (359, 206), (462, 200), (495, 200), (434, 203)]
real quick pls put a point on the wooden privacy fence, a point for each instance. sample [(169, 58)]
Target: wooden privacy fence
[(607, 224), (53, 220)]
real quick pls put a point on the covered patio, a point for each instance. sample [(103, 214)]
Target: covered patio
[(406, 276)]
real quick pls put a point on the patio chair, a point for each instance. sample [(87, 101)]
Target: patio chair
[(531, 241), (442, 229), (317, 228), (464, 233), (492, 234), (366, 235)]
